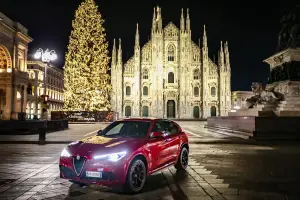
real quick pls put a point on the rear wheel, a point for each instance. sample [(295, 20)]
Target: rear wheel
[(136, 176), (183, 159)]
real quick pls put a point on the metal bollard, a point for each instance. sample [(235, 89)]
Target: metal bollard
[(42, 134)]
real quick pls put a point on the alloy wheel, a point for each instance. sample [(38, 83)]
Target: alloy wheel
[(184, 158), (137, 176)]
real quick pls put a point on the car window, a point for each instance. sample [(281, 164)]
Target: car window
[(173, 129), (170, 127), (126, 129), (158, 126), (115, 130)]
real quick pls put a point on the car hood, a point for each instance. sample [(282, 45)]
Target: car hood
[(96, 145)]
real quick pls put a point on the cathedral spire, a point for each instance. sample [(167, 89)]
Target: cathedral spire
[(120, 52), (188, 21), (182, 28), (159, 19), (137, 36), (227, 59), (154, 21), (204, 38), (114, 55), (221, 58)]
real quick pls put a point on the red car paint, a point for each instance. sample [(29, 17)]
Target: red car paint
[(158, 152)]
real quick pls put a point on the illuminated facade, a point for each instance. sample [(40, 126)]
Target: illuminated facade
[(54, 88), (14, 78), (171, 76), (21, 81)]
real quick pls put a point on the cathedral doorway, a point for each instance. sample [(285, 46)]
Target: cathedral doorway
[(213, 111), (171, 109), (196, 112), (127, 111), (145, 111)]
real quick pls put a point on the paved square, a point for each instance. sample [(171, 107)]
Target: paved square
[(217, 170)]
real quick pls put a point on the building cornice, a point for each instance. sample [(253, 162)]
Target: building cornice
[(40, 63)]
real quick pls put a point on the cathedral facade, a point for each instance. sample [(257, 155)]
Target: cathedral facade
[(171, 76)]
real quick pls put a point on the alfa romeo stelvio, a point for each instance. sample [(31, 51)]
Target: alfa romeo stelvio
[(125, 153)]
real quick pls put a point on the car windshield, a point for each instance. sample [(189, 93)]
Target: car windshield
[(136, 129)]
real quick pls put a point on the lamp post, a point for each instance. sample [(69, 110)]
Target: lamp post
[(46, 57)]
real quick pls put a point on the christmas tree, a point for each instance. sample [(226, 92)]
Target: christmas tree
[(87, 83)]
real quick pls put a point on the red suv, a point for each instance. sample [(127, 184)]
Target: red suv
[(125, 153)]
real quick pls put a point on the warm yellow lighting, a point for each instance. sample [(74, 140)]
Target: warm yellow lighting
[(87, 84), (9, 70), (18, 95)]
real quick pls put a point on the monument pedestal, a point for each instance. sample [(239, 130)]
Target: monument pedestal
[(280, 120), (290, 106), (283, 88)]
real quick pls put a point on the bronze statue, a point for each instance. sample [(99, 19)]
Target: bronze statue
[(289, 36), (262, 96)]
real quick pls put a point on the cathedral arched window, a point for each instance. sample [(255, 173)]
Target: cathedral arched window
[(213, 91), (128, 90), (145, 74), (196, 91), (171, 53), (171, 77), (145, 91), (196, 74)]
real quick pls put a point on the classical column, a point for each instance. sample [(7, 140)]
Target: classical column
[(24, 99), (14, 102)]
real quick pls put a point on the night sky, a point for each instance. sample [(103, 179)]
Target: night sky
[(250, 27)]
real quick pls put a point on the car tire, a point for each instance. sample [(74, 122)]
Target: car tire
[(183, 159), (136, 176)]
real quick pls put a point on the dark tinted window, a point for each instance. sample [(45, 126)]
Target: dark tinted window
[(165, 126), (126, 129)]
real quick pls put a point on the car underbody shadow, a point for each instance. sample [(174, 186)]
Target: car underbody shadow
[(155, 184)]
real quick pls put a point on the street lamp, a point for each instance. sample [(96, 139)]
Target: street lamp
[(46, 57)]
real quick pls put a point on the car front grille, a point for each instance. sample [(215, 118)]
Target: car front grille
[(70, 174), (78, 163)]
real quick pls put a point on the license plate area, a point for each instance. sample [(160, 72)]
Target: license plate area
[(93, 174)]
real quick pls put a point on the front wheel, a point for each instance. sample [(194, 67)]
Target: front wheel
[(183, 159), (136, 176)]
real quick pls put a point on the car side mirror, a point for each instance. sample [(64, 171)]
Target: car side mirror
[(99, 132), (156, 134)]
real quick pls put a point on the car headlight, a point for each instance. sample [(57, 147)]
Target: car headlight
[(65, 153), (111, 157)]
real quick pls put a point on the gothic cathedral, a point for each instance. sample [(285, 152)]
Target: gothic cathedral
[(171, 76)]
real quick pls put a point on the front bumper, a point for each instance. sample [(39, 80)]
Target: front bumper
[(113, 173)]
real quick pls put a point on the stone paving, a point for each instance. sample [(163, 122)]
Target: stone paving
[(216, 171)]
